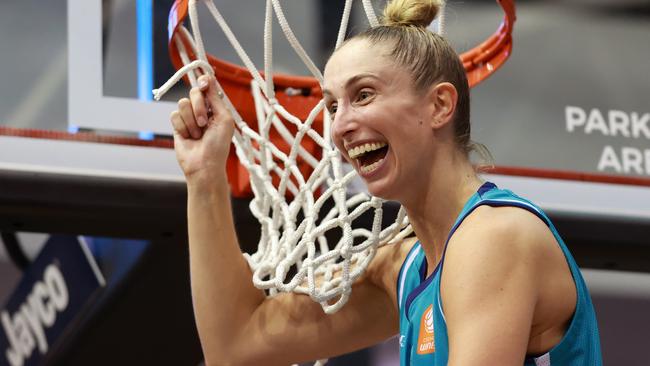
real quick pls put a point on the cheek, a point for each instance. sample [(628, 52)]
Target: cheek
[(392, 114), (336, 139), (338, 143), (412, 137)]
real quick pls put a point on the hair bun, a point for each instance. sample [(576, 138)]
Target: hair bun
[(419, 13)]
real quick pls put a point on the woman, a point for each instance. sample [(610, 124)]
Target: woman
[(488, 279)]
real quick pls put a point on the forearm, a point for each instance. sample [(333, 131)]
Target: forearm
[(222, 291)]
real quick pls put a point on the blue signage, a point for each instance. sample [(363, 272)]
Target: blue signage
[(52, 292)]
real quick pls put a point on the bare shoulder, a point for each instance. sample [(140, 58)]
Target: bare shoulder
[(498, 243), (510, 233), (385, 267)]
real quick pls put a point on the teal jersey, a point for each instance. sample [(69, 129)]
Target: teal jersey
[(423, 331)]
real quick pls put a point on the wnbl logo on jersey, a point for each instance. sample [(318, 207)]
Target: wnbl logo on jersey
[(426, 339)]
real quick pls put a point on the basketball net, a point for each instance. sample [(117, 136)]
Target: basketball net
[(294, 254)]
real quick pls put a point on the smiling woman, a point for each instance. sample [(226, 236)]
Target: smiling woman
[(488, 280), (400, 101)]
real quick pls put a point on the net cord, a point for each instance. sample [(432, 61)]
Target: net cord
[(325, 274)]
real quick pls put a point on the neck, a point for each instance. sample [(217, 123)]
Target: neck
[(432, 214)]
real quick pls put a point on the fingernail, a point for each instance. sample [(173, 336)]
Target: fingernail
[(203, 82), (202, 122)]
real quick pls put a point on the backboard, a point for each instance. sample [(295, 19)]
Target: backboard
[(566, 109)]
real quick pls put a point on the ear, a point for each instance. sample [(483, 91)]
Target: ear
[(443, 98)]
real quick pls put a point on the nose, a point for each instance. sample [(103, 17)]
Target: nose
[(343, 124)]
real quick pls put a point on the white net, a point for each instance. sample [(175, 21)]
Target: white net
[(294, 254)]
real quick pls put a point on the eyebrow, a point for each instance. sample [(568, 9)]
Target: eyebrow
[(353, 80)]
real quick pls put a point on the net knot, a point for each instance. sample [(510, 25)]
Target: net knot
[(345, 252), (303, 191), (278, 201)]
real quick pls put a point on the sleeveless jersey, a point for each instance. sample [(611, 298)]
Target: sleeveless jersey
[(423, 331)]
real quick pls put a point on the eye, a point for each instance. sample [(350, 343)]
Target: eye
[(332, 108), (364, 95)]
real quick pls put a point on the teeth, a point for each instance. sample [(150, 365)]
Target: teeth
[(371, 167), (362, 149)]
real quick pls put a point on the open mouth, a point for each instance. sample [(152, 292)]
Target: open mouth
[(369, 156)]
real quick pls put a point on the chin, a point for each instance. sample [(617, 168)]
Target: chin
[(381, 191)]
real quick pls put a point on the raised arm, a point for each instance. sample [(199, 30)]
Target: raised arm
[(237, 324)]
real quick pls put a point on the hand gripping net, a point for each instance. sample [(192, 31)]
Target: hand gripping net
[(292, 184)]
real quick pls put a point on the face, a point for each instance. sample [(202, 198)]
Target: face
[(381, 124)]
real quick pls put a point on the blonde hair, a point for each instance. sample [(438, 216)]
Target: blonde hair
[(419, 13), (428, 57)]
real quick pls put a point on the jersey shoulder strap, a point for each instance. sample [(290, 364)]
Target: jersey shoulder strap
[(410, 274)]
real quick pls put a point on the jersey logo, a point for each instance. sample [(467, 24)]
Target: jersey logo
[(426, 340)]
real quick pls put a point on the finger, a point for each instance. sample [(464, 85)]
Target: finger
[(198, 106), (214, 93), (185, 109), (179, 125), (204, 85), (215, 96), (204, 81)]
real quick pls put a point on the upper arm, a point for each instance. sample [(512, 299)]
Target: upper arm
[(293, 328), (490, 287)]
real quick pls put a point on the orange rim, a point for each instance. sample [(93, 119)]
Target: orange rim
[(480, 62), (484, 59)]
